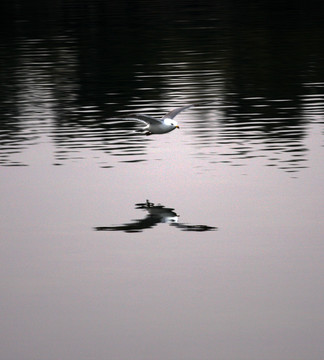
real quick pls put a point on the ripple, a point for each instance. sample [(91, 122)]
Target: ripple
[(53, 99)]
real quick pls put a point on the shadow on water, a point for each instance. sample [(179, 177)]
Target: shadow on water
[(60, 84), (156, 214)]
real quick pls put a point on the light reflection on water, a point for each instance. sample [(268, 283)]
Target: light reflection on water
[(45, 101), (170, 289)]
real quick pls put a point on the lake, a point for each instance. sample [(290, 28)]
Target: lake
[(203, 243)]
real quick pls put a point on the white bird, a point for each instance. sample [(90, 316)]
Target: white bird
[(159, 126)]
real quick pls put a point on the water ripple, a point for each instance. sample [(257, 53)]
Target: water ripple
[(51, 98)]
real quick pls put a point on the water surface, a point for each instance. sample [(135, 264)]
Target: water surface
[(203, 243)]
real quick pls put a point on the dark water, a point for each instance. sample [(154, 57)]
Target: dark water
[(204, 243)]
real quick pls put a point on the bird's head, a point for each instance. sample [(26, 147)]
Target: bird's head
[(171, 122)]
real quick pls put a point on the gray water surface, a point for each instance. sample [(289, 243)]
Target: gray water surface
[(205, 243)]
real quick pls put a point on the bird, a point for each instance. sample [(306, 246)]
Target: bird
[(159, 126), (156, 214)]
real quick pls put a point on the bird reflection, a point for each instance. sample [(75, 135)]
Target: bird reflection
[(155, 214)]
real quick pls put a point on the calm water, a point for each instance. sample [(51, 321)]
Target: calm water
[(205, 243)]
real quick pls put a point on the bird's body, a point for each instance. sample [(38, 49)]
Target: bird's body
[(162, 127), (159, 126)]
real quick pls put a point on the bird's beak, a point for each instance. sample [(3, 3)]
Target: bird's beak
[(178, 127)]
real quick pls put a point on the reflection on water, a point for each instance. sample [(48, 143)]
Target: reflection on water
[(156, 214), (42, 103), (249, 291), (62, 89)]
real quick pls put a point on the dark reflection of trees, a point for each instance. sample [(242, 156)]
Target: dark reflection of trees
[(91, 57)]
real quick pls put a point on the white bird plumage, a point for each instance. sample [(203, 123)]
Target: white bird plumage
[(159, 126)]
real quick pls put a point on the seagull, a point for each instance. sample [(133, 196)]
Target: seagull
[(156, 214), (159, 126)]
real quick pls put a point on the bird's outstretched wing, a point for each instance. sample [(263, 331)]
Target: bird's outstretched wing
[(142, 118), (200, 228), (136, 226), (173, 113)]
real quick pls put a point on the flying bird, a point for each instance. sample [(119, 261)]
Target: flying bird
[(159, 126)]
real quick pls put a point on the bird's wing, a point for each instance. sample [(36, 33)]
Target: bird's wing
[(143, 118), (201, 228), (136, 226), (173, 113)]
